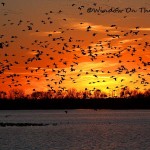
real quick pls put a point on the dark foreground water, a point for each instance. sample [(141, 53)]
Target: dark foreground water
[(75, 130)]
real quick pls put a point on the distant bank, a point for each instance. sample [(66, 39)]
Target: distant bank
[(102, 103)]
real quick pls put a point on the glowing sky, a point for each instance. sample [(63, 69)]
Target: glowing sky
[(47, 45)]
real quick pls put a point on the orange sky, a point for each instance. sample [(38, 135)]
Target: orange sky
[(49, 45)]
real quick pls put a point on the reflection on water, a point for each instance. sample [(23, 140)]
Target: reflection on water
[(76, 130)]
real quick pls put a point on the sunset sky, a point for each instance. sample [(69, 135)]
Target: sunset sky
[(58, 44)]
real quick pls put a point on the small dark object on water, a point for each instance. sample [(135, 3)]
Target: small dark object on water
[(54, 124), (21, 124), (66, 111)]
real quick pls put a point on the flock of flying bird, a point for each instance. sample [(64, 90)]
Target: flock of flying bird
[(56, 58)]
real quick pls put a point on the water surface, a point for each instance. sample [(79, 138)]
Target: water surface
[(76, 130)]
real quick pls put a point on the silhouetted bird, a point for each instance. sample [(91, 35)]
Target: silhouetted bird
[(3, 3), (1, 45)]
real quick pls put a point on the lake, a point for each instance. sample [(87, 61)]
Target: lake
[(76, 130)]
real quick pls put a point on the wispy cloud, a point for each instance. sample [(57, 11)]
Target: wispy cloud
[(128, 40), (142, 29), (84, 25), (87, 66), (44, 33)]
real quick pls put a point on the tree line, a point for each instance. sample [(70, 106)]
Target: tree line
[(14, 94), (72, 99)]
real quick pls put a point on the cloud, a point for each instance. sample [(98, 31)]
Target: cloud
[(129, 40), (98, 28), (44, 33), (142, 29), (87, 66)]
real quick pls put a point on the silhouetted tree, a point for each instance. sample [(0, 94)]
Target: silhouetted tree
[(37, 95), (122, 93), (103, 95), (125, 92), (71, 93), (3, 94), (97, 93), (16, 94), (59, 94), (147, 93), (87, 94), (50, 94), (79, 95)]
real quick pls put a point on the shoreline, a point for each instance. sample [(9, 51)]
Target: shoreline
[(51, 104)]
